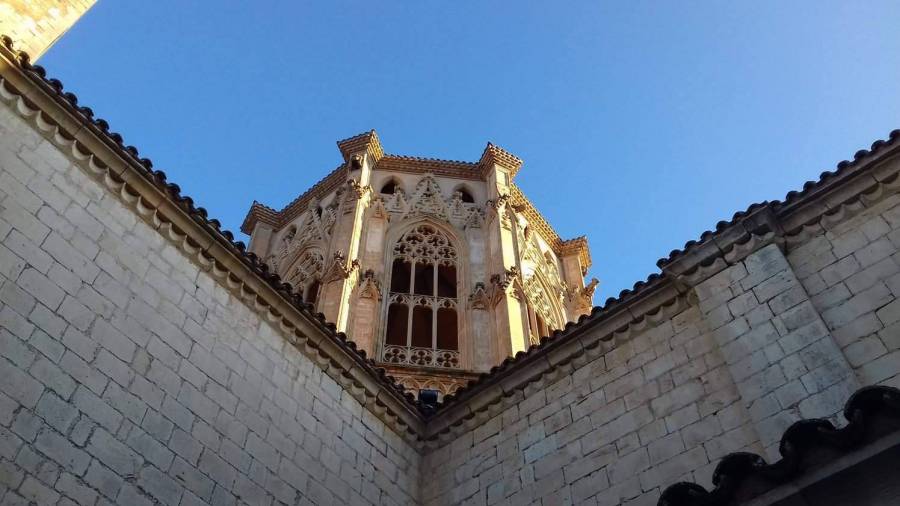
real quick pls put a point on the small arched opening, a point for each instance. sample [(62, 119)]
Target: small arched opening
[(390, 187)]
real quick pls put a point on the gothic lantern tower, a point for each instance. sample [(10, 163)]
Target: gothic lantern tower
[(438, 269)]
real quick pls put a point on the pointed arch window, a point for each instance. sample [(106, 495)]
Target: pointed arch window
[(389, 188), (422, 320), (465, 195), (539, 310)]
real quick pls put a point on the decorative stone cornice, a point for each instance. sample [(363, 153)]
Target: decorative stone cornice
[(260, 213), (367, 142), (495, 155), (577, 246), (421, 165)]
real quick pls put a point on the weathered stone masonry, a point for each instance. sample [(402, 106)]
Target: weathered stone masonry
[(143, 362)]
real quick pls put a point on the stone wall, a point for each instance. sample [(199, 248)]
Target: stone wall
[(764, 341), (129, 376), (852, 273), (36, 24)]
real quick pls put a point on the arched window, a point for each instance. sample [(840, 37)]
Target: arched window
[(389, 188), (422, 326), (465, 195), (537, 326)]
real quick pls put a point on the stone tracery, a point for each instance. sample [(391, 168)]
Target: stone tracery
[(427, 200), (421, 321)]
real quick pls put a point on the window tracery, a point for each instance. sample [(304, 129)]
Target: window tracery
[(422, 323)]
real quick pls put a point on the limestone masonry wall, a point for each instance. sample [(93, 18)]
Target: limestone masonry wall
[(759, 345), (129, 376)]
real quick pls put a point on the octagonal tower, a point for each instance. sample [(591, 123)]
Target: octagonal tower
[(438, 269)]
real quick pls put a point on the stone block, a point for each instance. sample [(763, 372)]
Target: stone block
[(96, 409), (779, 283), (83, 373), (150, 449), (36, 492), (217, 469), (48, 346), (881, 369), (41, 288), (874, 252), (665, 448), (762, 265), (62, 451), (72, 487), (131, 495), (840, 270), (105, 481), (871, 275), (58, 413), (114, 454), (157, 484), (16, 298), (110, 338), (864, 350)]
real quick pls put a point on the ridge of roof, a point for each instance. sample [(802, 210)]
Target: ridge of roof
[(749, 475), (159, 180)]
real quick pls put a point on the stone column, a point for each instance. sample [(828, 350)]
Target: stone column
[(342, 262), (365, 313), (781, 355), (366, 308), (481, 353), (505, 283)]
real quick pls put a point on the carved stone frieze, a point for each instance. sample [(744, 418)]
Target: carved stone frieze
[(427, 200)]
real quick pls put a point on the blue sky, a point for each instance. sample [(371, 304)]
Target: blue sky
[(641, 123)]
